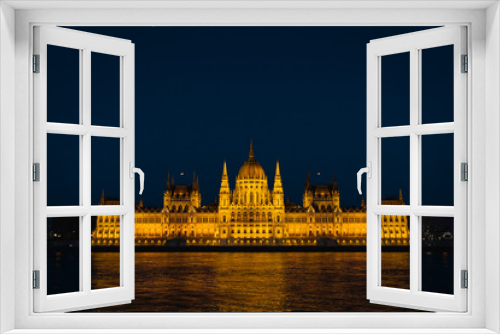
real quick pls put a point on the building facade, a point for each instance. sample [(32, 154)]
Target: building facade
[(252, 214)]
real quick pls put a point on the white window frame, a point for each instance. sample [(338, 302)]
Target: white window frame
[(483, 21)]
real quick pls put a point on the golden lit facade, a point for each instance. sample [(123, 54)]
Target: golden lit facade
[(252, 214)]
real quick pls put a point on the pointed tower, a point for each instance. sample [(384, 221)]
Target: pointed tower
[(401, 197), (167, 195), (307, 199), (225, 191), (102, 198), (335, 192), (278, 196), (195, 192)]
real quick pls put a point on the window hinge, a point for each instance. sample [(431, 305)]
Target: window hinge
[(464, 171), (36, 279), (36, 172), (465, 279), (465, 64), (36, 63)]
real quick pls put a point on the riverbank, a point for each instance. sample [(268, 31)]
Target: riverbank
[(253, 249)]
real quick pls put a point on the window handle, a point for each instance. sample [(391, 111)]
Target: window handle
[(139, 171), (368, 171)]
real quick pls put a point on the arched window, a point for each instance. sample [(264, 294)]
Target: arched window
[(224, 219), (251, 198)]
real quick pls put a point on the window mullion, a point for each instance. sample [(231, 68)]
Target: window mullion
[(415, 169), (85, 165)]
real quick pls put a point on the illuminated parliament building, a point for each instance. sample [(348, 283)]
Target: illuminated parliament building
[(252, 214)]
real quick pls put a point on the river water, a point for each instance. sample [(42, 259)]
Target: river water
[(249, 281)]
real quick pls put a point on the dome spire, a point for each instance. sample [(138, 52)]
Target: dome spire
[(251, 155)]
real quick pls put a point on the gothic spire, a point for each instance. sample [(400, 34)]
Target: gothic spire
[(277, 179), (251, 155), (224, 185), (195, 180), (308, 180), (224, 170)]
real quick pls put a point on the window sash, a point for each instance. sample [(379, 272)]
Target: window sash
[(413, 43), (86, 43)]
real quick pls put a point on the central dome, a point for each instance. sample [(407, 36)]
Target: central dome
[(251, 169)]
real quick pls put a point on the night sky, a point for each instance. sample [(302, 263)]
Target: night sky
[(202, 93)]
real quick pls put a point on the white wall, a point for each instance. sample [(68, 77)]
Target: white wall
[(7, 164)]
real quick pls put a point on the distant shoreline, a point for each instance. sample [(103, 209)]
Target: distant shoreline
[(242, 249)]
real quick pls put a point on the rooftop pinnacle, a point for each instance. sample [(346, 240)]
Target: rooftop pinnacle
[(251, 155)]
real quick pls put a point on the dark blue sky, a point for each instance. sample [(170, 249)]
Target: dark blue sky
[(299, 92)]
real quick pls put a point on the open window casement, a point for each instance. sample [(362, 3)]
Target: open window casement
[(416, 295), (82, 296)]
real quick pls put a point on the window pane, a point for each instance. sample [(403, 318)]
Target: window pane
[(63, 85), (437, 170), (395, 92), (105, 171), (105, 252), (63, 255), (395, 252), (437, 84), (395, 171), (105, 89), (437, 254), (63, 170)]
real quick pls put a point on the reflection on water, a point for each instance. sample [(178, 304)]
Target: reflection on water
[(251, 282)]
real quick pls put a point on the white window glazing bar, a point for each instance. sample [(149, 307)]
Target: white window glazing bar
[(86, 246), (97, 131), (421, 129), (415, 257)]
